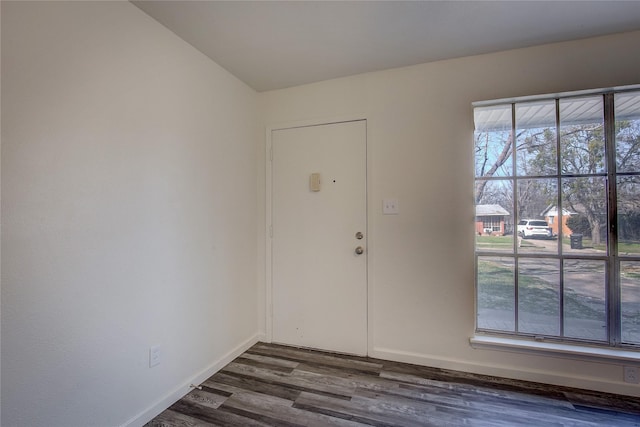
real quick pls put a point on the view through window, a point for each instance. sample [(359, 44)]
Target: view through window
[(557, 193)]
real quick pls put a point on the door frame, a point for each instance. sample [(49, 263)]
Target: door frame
[(269, 217)]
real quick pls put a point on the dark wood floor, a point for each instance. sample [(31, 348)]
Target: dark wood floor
[(285, 386)]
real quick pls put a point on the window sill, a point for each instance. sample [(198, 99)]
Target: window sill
[(570, 351)]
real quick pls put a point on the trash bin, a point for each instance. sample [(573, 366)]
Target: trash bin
[(576, 241)]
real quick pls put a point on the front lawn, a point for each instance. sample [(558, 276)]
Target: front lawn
[(501, 243), (624, 248), (535, 295)]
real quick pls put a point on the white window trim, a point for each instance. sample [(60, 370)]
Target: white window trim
[(554, 349)]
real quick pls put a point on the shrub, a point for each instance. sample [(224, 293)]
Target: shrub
[(579, 225)]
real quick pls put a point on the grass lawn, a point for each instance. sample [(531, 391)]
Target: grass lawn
[(623, 247), (500, 243), (535, 296), (497, 242), (539, 298), (630, 274), (628, 248)]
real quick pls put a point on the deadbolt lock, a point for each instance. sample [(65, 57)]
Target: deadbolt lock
[(359, 250), (359, 235)]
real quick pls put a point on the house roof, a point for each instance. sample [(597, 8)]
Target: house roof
[(491, 210), (552, 210)]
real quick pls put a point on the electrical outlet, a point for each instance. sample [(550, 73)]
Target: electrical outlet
[(631, 375), (390, 207), (154, 356)]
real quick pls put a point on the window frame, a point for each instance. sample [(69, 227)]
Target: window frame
[(611, 259)]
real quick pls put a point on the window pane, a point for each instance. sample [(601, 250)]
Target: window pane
[(539, 296), (537, 201), (629, 215), (585, 313), (536, 138), (582, 135), (628, 131), (585, 201), (541, 176), (493, 150), (494, 215), (496, 296), (630, 294)]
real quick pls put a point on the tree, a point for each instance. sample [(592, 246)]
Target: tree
[(628, 145), (579, 225), (582, 152), (582, 155), (494, 152), (487, 164), (628, 160)]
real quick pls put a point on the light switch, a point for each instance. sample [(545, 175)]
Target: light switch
[(314, 182), (390, 207)]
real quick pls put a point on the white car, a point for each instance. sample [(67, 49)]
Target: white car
[(534, 228)]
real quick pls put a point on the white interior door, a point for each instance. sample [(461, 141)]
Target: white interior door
[(319, 280)]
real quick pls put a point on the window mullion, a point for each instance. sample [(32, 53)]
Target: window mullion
[(515, 211), (613, 285), (560, 223)]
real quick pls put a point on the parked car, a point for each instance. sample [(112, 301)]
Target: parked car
[(534, 228)]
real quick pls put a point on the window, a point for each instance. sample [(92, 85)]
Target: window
[(566, 170), (491, 223)]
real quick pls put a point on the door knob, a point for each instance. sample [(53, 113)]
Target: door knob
[(359, 235), (359, 250)]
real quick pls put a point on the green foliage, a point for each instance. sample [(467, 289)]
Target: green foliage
[(629, 226), (628, 145), (582, 148), (495, 241), (579, 225)]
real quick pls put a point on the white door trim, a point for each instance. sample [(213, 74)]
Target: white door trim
[(269, 218)]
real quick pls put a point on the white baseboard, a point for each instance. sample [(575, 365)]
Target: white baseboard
[(546, 377), (148, 414)]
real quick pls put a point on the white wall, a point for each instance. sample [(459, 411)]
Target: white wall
[(130, 210), (128, 214), (0, 221), (420, 133)]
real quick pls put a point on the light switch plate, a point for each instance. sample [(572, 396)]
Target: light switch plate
[(154, 356), (390, 207)]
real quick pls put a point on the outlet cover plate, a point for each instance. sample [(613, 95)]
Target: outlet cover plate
[(631, 375), (390, 207)]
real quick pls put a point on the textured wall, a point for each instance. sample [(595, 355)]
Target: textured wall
[(128, 213)]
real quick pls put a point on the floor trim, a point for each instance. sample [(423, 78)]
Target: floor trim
[(148, 414)]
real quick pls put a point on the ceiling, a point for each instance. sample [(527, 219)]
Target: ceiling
[(277, 44)]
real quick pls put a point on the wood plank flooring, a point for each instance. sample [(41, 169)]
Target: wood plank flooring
[(275, 385)]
